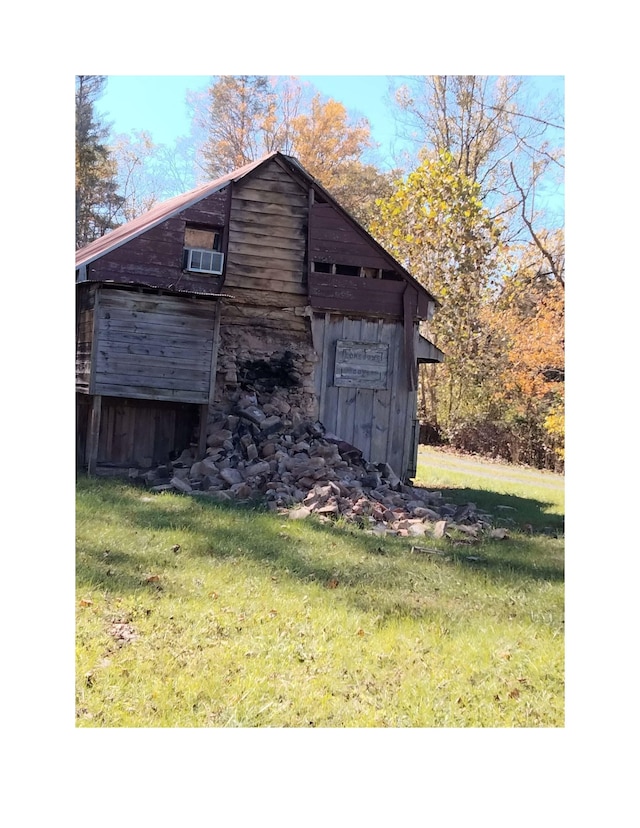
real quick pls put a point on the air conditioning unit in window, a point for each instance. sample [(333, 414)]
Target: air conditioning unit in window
[(203, 261)]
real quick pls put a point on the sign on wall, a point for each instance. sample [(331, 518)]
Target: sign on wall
[(361, 364)]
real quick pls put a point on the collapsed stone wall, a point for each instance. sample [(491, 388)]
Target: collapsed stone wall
[(264, 362)]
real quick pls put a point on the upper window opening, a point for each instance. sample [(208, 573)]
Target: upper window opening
[(347, 270), (202, 252), (350, 270)]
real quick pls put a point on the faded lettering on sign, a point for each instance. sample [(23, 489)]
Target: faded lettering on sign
[(361, 364)]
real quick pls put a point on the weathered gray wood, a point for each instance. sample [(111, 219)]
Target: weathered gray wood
[(126, 372), (151, 392), (381, 405), (412, 428), (254, 222), (199, 386), (94, 340), (177, 355), (93, 435), (270, 300), (268, 185), (397, 413), (280, 244), (153, 340), (296, 212), (204, 409), (320, 374), (240, 256), (153, 346)]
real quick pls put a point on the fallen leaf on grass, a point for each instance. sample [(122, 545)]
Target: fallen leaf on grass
[(175, 548), (332, 583), (360, 632), (152, 579), (85, 602)]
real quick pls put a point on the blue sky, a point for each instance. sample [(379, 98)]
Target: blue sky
[(157, 103)]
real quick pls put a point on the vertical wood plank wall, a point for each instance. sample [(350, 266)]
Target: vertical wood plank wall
[(374, 420)]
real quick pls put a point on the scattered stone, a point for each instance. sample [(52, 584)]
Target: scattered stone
[(218, 438), (262, 446), (300, 513), (231, 476), (439, 529), (181, 485)]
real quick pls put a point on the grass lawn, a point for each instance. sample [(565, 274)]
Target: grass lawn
[(194, 614)]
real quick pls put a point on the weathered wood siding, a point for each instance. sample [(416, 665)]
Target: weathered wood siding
[(332, 238), (85, 301), (138, 433), (351, 294), (266, 264), (152, 346), (155, 257), (377, 421)]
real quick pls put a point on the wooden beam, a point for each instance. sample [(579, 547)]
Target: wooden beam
[(410, 307), (204, 409), (93, 435)]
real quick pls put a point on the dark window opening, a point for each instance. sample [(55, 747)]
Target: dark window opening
[(347, 270), (323, 267)]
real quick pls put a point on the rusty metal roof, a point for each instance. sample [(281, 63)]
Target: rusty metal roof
[(159, 213)]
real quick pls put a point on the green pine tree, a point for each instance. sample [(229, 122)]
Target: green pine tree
[(98, 203)]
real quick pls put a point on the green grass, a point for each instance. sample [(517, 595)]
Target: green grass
[(258, 621)]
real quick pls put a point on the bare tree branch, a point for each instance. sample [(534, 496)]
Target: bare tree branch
[(552, 263)]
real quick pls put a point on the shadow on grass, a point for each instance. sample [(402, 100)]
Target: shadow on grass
[(509, 510), (306, 550)]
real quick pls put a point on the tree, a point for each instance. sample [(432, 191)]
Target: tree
[(495, 136), (97, 199), (437, 226), (144, 173), (238, 121), (241, 118), (527, 317), (512, 382)]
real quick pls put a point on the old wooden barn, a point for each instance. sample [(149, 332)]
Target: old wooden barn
[(257, 280)]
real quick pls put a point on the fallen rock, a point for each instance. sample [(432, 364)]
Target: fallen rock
[(263, 448), (439, 529)]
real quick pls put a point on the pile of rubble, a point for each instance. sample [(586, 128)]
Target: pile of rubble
[(271, 453)]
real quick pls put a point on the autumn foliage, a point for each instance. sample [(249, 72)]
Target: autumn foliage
[(500, 389)]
